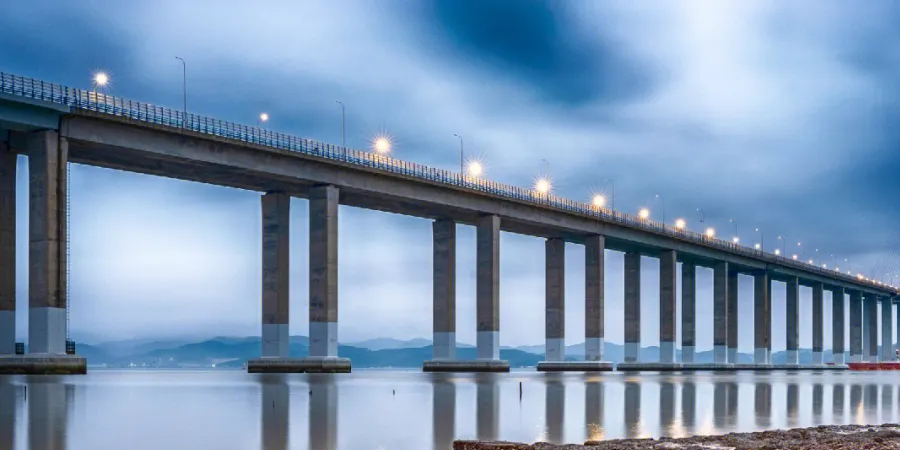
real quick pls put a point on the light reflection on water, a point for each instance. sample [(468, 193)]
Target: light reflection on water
[(411, 410)]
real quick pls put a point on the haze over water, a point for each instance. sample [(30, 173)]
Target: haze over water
[(411, 410)]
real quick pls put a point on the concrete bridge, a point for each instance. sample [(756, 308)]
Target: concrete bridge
[(55, 125)]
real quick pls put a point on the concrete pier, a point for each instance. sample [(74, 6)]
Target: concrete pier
[(897, 318), (732, 337), (792, 320), (667, 301), (887, 330), (276, 230), (837, 326), (720, 312), (688, 311), (632, 307), (555, 298), (594, 302), (817, 322), (856, 354), (444, 289), (870, 344), (7, 250), (488, 289), (48, 159), (762, 319)]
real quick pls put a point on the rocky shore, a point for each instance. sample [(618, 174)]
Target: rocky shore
[(836, 437)]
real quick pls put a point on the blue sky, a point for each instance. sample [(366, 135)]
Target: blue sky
[(779, 116)]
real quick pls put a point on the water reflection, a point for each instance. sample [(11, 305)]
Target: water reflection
[(274, 412), (198, 408), (443, 411)]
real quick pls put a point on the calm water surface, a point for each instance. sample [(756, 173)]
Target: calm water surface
[(411, 410)]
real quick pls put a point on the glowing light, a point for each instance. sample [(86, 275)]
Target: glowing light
[(263, 117), (810, 261), (777, 251), (794, 257), (757, 246), (644, 213), (710, 232), (680, 224), (101, 79), (598, 201), (543, 185), (381, 144), (736, 239), (475, 169)]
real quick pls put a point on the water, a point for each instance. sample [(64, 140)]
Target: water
[(411, 410)]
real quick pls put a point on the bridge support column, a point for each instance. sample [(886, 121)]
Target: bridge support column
[(720, 312), (762, 318), (688, 311), (897, 344), (444, 289), (837, 326), (856, 354), (555, 297), (732, 338), (887, 330), (817, 323), (47, 158), (488, 291), (667, 314), (792, 320), (594, 301), (323, 272), (7, 250), (632, 307), (870, 344), (276, 231)]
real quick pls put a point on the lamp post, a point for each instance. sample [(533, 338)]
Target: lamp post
[(735, 239), (343, 133), (262, 119), (663, 208), (461, 154), (781, 238), (702, 216), (762, 240), (612, 193), (183, 89)]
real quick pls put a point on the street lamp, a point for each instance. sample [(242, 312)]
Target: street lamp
[(598, 201), (543, 185), (343, 134), (762, 239), (702, 216), (680, 224), (710, 232), (612, 184), (100, 80), (782, 243), (663, 208), (777, 251), (735, 239), (475, 168), (644, 214), (460, 153), (183, 88), (382, 144), (262, 118)]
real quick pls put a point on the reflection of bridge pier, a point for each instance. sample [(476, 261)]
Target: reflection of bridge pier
[(555, 407), (9, 407), (763, 404), (275, 407), (725, 403), (632, 409), (593, 411), (443, 411), (48, 410), (487, 414), (323, 412), (887, 402), (689, 405), (837, 401), (666, 407), (793, 398), (817, 401)]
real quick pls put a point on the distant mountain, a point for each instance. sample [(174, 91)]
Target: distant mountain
[(391, 343)]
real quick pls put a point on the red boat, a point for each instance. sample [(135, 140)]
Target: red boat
[(894, 365)]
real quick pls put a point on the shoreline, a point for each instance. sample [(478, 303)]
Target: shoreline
[(872, 437)]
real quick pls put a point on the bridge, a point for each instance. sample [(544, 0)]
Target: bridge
[(56, 125)]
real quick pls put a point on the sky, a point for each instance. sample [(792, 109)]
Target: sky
[(764, 115)]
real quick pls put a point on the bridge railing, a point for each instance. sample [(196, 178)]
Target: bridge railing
[(145, 112)]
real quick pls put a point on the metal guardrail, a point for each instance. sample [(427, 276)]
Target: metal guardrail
[(98, 102)]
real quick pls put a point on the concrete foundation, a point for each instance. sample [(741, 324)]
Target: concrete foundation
[(688, 311), (477, 365), (817, 358), (720, 354), (792, 357), (42, 364), (554, 349), (444, 289), (762, 318), (301, 365), (692, 367), (632, 307), (648, 367), (594, 279), (323, 339), (574, 366), (275, 340), (487, 295)]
